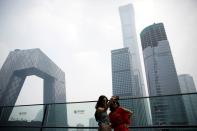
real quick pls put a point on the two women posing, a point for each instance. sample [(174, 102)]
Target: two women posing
[(118, 118)]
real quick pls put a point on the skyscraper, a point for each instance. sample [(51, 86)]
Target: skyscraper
[(137, 81), (187, 83), (122, 73), (190, 101), (127, 17), (22, 63), (125, 85), (161, 77)]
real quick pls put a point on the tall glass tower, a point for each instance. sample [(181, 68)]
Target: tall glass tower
[(161, 77), (187, 83), (125, 85), (190, 101), (127, 17), (130, 42), (22, 63)]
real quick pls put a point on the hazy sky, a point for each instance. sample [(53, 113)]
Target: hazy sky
[(78, 36)]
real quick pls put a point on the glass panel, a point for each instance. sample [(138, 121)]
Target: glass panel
[(77, 114), (22, 115), (190, 104), (56, 115), (155, 111), (174, 110), (82, 114)]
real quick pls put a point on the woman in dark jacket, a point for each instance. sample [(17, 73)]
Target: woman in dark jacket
[(101, 115)]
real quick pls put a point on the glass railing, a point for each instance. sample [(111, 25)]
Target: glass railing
[(165, 112)]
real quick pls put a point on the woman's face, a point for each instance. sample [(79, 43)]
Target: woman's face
[(114, 105)]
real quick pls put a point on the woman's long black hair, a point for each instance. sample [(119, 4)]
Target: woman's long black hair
[(100, 102)]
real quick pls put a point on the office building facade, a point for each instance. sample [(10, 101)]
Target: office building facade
[(161, 77), (22, 63), (190, 101), (187, 84), (125, 85), (127, 17)]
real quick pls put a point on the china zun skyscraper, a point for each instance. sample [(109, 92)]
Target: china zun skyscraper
[(127, 78), (129, 35)]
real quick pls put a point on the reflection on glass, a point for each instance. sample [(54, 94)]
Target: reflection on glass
[(81, 114), (56, 115), (22, 115), (27, 113)]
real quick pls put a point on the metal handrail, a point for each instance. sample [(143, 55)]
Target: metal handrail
[(132, 127), (125, 98)]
